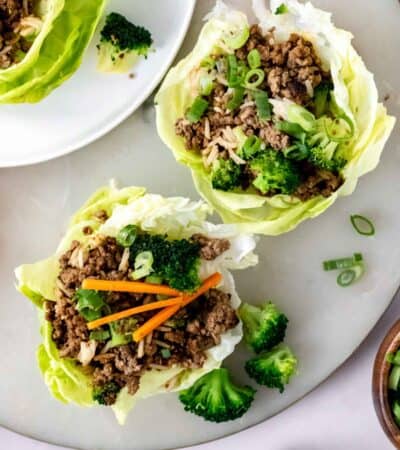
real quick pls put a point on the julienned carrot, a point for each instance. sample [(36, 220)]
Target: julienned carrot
[(138, 287), (162, 316), (132, 311)]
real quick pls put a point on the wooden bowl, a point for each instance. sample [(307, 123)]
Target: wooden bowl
[(390, 344)]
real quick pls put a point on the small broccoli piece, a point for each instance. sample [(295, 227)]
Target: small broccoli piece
[(274, 368), (177, 262), (326, 158), (264, 326), (121, 44), (274, 173), (106, 394), (225, 174), (215, 398)]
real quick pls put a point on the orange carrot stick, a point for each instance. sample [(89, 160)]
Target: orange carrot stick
[(132, 311), (138, 287), (162, 316)]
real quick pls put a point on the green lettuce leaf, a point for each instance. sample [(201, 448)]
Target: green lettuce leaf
[(59, 55), (355, 93), (180, 217)]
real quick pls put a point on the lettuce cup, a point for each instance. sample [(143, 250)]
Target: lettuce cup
[(137, 300), (42, 44), (275, 120)]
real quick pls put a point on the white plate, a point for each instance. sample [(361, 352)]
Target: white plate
[(327, 323), (91, 104)]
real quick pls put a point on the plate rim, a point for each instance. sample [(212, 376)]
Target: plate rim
[(119, 118)]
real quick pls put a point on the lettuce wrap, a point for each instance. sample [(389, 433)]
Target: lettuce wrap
[(70, 381), (56, 52), (353, 103)]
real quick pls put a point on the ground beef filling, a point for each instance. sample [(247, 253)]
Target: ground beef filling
[(182, 341), (292, 71), (17, 19)]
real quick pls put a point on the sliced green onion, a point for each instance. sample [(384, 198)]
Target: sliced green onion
[(254, 78), (396, 411), (281, 9), (232, 74), (394, 378), (254, 59), (197, 110), (206, 85), (321, 94), (238, 38), (208, 63), (143, 265), (292, 129), (99, 335), (250, 147), (166, 353), (349, 276), (237, 98), (362, 225), (343, 263), (127, 235), (297, 152), (301, 116), (264, 107)]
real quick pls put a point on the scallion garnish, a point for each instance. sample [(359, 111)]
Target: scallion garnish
[(254, 59), (166, 353), (232, 74), (292, 129), (349, 276), (321, 96), (197, 110), (264, 108), (254, 78), (238, 38), (250, 147), (362, 225), (297, 152), (237, 98), (343, 263), (89, 303), (206, 85), (208, 63), (127, 235)]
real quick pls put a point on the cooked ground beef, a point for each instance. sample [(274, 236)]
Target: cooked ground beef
[(187, 336), (292, 67), (211, 248), (292, 71), (318, 182), (16, 16)]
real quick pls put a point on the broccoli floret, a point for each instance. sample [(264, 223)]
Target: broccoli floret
[(106, 394), (121, 44), (264, 326), (215, 398), (326, 158), (274, 368), (225, 174), (274, 173), (177, 262)]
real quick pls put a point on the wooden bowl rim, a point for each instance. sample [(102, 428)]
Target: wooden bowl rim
[(380, 376)]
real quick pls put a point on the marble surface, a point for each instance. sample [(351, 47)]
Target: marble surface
[(327, 323), (338, 415)]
